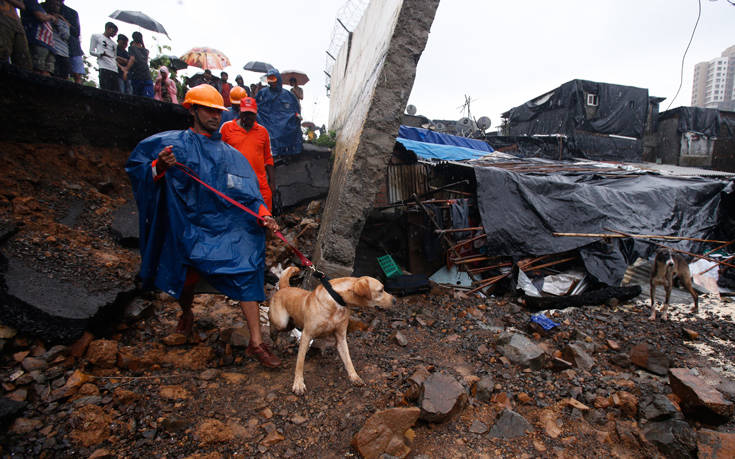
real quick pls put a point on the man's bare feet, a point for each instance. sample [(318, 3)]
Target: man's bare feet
[(186, 323)]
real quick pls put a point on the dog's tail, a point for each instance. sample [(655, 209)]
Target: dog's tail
[(284, 281)]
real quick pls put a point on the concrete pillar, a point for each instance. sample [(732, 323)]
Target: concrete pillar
[(370, 85)]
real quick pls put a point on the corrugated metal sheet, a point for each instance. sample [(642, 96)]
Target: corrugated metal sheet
[(639, 274), (406, 179)]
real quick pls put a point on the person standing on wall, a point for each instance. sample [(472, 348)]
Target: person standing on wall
[(105, 50), (123, 57), (76, 55), (13, 41), (139, 73)]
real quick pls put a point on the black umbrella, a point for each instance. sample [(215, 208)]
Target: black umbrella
[(172, 62), (257, 66), (139, 19)]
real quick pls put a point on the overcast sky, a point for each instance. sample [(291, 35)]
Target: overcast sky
[(500, 53)]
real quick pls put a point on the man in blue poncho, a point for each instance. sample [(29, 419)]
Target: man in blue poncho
[(187, 231), (279, 112)]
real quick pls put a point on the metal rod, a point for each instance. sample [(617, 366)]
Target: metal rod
[(343, 26)]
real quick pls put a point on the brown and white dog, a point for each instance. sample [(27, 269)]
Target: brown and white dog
[(668, 266), (317, 314)]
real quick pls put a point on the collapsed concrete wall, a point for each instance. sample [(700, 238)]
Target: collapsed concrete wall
[(370, 84)]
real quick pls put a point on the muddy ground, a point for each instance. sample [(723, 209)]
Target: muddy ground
[(142, 391)]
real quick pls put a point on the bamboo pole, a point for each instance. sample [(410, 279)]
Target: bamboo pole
[(546, 265), (682, 251), (638, 236), (467, 241), (718, 247), (457, 230)]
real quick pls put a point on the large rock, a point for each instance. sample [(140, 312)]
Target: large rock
[(658, 408), (674, 438), (91, 425), (54, 310), (698, 398), (521, 350), (441, 397), (102, 353), (715, 445), (510, 425), (484, 388), (213, 431), (125, 225), (574, 352), (644, 356), (383, 433)]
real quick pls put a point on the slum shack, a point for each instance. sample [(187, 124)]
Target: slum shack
[(491, 222)]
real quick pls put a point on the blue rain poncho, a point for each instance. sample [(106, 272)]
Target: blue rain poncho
[(277, 111), (183, 224)]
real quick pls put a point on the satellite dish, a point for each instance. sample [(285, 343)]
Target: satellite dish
[(411, 109), (465, 123), (483, 123), (440, 126)]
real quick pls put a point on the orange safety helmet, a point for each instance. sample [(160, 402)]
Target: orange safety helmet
[(237, 94), (204, 95)]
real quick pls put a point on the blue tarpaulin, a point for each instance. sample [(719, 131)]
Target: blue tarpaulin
[(427, 136), (184, 225), (443, 152)]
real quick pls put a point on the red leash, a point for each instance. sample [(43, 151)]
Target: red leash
[(305, 261), (323, 279)]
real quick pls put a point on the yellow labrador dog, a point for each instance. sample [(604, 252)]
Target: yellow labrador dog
[(317, 314)]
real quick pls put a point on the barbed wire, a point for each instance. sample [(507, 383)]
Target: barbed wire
[(348, 16)]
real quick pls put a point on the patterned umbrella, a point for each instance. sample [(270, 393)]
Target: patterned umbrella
[(206, 58)]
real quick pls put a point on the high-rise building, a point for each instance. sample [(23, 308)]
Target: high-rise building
[(713, 82)]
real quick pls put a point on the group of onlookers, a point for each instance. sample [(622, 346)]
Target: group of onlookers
[(45, 38)]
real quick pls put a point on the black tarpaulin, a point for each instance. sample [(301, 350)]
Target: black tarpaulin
[(621, 110), (705, 121), (520, 212)]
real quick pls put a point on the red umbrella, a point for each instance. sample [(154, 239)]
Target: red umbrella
[(206, 58), (301, 77)]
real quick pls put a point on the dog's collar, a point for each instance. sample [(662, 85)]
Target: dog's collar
[(325, 283)]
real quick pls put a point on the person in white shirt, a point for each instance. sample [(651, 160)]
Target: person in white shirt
[(105, 50)]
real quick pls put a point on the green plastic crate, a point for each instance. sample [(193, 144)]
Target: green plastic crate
[(389, 266)]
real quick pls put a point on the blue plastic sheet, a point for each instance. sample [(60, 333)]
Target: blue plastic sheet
[(545, 323), (278, 111), (442, 152), (427, 136), (183, 224)]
